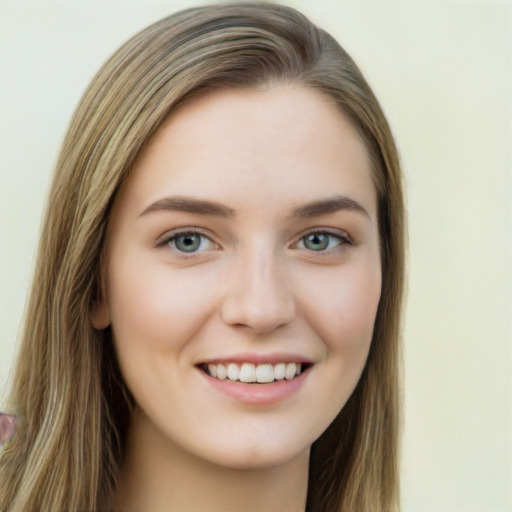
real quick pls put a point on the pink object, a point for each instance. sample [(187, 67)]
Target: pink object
[(258, 394), (7, 428)]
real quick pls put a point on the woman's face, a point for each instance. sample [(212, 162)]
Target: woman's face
[(244, 247)]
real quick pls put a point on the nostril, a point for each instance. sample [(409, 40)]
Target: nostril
[(257, 319), (259, 298)]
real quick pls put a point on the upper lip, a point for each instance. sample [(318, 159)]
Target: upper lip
[(274, 358)]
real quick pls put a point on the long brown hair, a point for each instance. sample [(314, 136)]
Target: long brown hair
[(72, 404)]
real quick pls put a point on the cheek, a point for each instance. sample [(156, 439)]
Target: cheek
[(355, 307), (154, 307), (344, 309)]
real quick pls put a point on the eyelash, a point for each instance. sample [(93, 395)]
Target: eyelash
[(169, 240), (343, 240)]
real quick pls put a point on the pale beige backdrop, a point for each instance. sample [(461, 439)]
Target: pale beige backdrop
[(443, 72)]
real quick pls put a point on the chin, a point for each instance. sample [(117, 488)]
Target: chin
[(258, 459), (257, 453)]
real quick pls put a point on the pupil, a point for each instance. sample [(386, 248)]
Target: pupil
[(317, 242), (188, 243)]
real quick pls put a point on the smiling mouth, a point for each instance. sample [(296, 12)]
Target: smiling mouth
[(250, 373)]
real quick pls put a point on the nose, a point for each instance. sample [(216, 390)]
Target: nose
[(259, 295)]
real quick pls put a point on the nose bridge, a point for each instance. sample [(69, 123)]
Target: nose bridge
[(259, 294)]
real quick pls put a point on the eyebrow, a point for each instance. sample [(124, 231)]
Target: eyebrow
[(329, 205), (190, 205), (207, 207)]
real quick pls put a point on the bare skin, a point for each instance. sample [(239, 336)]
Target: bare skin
[(246, 236), (178, 482)]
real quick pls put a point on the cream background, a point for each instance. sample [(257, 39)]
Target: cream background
[(443, 72)]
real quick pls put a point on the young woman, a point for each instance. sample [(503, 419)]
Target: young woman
[(214, 318)]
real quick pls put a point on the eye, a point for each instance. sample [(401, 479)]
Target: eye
[(321, 241), (188, 242)]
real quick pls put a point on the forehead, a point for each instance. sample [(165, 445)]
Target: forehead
[(289, 142)]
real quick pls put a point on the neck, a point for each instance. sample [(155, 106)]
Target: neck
[(160, 476)]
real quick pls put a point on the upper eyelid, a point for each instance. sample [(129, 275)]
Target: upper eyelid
[(173, 233), (164, 242), (168, 235), (342, 234)]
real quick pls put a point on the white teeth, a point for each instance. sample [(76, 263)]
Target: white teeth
[(247, 373), (250, 373), (279, 371), (233, 371), (264, 373), (221, 372), (212, 369), (290, 371)]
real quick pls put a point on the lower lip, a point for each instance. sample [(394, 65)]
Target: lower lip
[(258, 394)]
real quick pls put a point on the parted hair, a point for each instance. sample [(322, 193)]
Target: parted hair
[(72, 405)]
